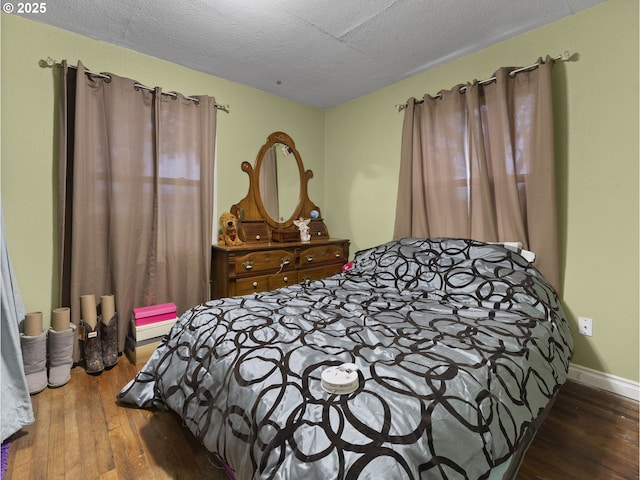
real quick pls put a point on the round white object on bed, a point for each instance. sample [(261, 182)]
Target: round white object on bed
[(341, 379)]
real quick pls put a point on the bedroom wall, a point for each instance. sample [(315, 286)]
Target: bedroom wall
[(597, 153), (353, 150), (29, 167)]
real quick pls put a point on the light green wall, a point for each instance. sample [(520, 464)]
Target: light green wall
[(353, 150), (597, 151), (28, 169)]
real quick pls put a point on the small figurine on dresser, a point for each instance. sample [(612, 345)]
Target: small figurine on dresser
[(303, 226), (229, 230)]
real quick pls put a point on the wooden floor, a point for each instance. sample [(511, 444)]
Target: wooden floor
[(105, 440), (589, 434)]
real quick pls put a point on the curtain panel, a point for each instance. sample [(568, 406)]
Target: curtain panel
[(477, 161), (135, 195)]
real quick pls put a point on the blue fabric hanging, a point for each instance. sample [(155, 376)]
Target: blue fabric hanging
[(16, 402)]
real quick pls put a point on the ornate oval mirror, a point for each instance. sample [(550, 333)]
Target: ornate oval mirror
[(279, 174), (278, 180), (277, 194)]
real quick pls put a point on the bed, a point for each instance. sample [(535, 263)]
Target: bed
[(460, 348)]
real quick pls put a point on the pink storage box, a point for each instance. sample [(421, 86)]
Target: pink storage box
[(154, 313)]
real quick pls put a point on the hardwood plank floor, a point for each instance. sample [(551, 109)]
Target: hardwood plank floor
[(589, 434), (81, 433)]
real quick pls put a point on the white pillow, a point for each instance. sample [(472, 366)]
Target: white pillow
[(528, 255)]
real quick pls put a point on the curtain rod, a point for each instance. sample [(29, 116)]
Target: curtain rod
[(565, 57), (50, 62)]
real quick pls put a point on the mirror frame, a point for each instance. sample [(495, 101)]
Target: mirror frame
[(283, 138), (251, 211)]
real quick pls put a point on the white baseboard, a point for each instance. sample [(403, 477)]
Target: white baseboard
[(605, 381)]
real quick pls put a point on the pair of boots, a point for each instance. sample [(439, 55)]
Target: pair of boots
[(100, 344), (48, 358)]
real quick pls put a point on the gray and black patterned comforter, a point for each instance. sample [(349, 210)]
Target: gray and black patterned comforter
[(459, 344)]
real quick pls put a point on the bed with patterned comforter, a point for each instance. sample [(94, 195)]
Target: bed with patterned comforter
[(460, 346)]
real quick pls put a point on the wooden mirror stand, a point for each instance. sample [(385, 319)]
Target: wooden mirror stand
[(255, 223)]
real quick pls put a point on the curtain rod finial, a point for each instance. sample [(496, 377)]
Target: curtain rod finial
[(47, 63), (567, 56), (400, 106)]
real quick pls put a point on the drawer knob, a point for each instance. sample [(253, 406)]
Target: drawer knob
[(248, 265), (285, 261), (286, 279), (255, 284), (309, 258), (338, 254), (257, 237)]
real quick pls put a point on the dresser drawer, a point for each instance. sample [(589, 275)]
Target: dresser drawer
[(318, 229), (322, 254), (261, 266), (245, 286), (318, 273), (279, 280), (264, 261), (254, 232)]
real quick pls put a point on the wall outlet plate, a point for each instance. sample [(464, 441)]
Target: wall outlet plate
[(585, 326)]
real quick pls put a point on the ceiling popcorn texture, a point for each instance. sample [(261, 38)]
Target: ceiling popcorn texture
[(318, 52)]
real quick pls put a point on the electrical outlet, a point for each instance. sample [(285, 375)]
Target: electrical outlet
[(585, 326)]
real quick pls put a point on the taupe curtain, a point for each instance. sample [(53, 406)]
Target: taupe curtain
[(478, 162), (135, 194)]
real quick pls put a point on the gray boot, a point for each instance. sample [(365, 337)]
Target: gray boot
[(60, 354), (34, 359), (109, 340), (92, 348)]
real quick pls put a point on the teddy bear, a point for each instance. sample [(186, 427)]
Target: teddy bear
[(229, 230)]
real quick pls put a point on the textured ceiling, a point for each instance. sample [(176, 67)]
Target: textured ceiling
[(318, 52)]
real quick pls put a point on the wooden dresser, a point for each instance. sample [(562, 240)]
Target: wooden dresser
[(268, 223), (255, 267)]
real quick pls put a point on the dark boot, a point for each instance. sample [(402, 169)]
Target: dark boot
[(92, 347), (109, 334)]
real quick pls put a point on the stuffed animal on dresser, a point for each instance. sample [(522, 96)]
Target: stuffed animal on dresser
[(229, 230), (303, 226)]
